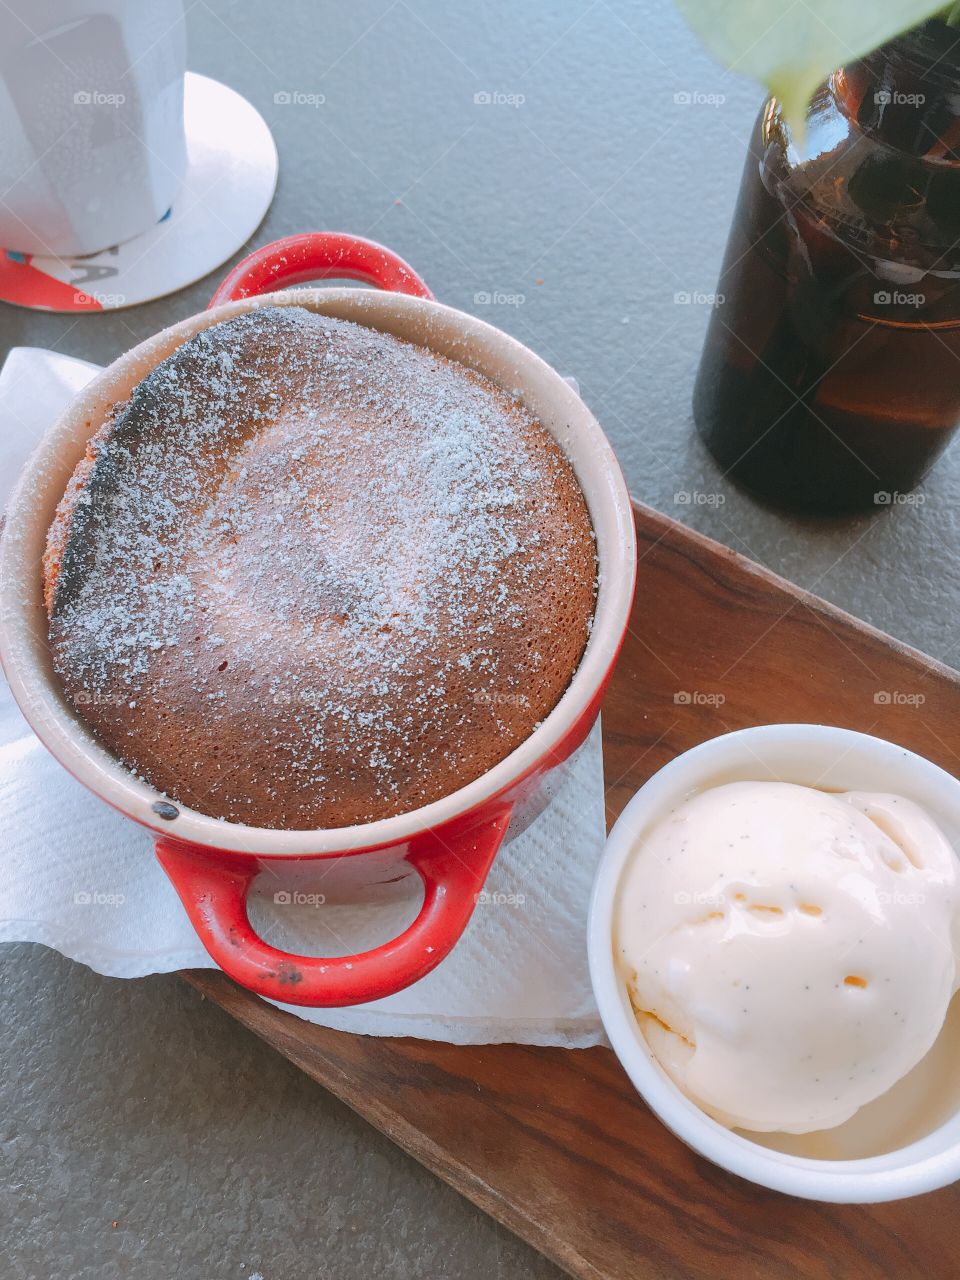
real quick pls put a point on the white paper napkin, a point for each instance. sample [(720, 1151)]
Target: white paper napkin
[(83, 880)]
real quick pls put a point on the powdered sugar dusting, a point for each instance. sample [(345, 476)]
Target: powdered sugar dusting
[(358, 571)]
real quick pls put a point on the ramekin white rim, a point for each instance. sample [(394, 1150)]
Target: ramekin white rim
[(464, 337)]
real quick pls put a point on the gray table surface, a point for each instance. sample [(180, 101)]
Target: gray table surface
[(143, 1133)]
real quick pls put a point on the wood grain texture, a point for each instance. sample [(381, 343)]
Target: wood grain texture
[(555, 1143)]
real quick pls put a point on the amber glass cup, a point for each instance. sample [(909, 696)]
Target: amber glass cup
[(830, 377)]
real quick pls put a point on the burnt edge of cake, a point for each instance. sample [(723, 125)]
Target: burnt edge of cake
[(126, 425)]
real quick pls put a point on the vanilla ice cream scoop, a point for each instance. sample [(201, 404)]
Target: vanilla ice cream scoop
[(790, 953)]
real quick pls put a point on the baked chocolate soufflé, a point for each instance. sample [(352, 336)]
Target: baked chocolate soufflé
[(310, 575)]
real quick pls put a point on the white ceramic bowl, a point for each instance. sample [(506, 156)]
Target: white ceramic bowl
[(811, 755)]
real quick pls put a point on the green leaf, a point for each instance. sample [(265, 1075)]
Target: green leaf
[(793, 45)]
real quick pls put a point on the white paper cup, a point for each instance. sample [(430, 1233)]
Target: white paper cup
[(927, 1154), (92, 146)]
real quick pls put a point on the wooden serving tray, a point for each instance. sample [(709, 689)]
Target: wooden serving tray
[(555, 1143)]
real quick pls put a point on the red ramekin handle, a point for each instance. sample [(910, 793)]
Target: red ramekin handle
[(319, 255), (213, 888)]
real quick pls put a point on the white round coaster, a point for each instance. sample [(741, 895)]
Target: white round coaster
[(229, 182)]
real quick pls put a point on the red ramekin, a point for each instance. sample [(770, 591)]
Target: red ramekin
[(450, 843)]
